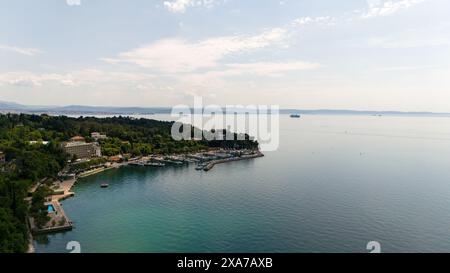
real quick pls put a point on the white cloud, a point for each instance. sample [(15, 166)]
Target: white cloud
[(20, 50), (176, 55), (269, 68), (73, 2), (420, 37), (407, 68), (405, 41), (148, 87), (303, 21), (383, 8), (256, 68), (204, 83), (180, 6), (74, 78)]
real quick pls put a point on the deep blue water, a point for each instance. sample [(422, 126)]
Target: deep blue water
[(334, 184)]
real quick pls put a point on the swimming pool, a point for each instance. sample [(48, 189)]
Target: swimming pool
[(50, 208)]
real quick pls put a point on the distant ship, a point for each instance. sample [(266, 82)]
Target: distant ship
[(295, 116)]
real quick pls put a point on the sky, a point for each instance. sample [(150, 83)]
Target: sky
[(306, 54)]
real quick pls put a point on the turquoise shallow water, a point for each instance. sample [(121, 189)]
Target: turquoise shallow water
[(334, 184)]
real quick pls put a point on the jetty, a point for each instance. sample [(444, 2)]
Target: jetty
[(212, 163), (93, 171)]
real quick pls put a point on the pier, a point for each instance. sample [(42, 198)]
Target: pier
[(212, 163)]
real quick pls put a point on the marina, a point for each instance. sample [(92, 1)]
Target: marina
[(205, 160)]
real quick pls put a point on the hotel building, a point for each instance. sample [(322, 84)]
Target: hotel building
[(82, 149)]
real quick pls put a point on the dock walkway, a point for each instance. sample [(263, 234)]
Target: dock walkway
[(212, 163)]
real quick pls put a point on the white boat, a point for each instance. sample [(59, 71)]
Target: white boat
[(155, 164)]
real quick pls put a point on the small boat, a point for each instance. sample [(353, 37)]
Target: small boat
[(104, 185), (295, 116), (155, 164), (199, 167)]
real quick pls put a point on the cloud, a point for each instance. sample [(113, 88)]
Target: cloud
[(145, 84), (176, 55), (268, 68), (405, 41), (421, 37), (255, 68), (204, 83), (407, 68), (74, 78), (73, 2), (379, 8), (303, 21), (20, 50), (180, 6)]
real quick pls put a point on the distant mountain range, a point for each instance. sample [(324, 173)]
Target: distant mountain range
[(13, 107), (80, 109)]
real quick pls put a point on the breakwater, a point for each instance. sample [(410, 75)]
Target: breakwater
[(212, 163)]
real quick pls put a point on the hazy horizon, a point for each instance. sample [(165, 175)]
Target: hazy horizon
[(109, 109)]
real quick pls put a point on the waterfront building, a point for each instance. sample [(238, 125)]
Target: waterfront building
[(82, 149)]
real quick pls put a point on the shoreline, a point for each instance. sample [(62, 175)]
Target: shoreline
[(31, 248), (96, 171)]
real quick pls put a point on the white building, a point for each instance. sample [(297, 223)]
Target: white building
[(97, 136), (82, 149)]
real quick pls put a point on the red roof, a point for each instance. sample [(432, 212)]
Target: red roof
[(77, 138)]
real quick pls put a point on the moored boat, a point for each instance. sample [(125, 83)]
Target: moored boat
[(155, 164)]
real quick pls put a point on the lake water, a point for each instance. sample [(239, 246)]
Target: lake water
[(334, 184)]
